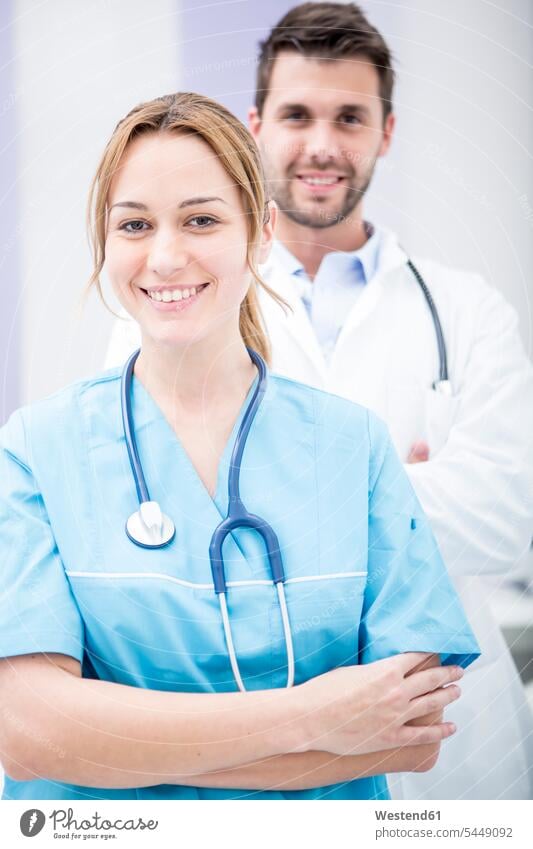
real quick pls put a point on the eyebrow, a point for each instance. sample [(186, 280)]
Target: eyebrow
[(131, 204), (346, 107)]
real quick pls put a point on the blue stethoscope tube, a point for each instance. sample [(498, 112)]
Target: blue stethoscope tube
[(127, 419), (238, 516), (443, 383)]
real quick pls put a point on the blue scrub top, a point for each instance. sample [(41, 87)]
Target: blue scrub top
[(364, 576)]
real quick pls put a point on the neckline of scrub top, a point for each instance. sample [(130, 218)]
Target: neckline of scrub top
[(142, 398)]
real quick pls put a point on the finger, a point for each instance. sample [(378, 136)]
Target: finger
[(419, 452), (430, 662), (406, 661), (423, 735), (432, 702), (420, 683), (413, 458)]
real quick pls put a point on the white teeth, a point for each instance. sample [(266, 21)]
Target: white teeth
[(176, 295), (321, 181)]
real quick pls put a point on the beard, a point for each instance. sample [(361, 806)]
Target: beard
[(318, 213)]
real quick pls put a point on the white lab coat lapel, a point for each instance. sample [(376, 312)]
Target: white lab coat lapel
[(349, 372), (359, 366)]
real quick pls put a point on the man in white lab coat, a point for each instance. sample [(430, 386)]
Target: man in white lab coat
[(360, 326)]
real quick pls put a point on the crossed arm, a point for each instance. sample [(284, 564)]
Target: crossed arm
[(127, 737), (302, 771), (316, 769)]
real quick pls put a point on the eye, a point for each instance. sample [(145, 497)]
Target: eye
[(202, 221), (295, 116), (133, 224), (348, 118)]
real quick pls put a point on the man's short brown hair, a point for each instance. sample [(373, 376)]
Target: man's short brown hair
[(326, 31)]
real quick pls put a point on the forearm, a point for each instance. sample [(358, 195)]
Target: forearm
[(306, 770), (102, 734), (315, 769)]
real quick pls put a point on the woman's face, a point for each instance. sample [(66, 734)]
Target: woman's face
[(176, 240)]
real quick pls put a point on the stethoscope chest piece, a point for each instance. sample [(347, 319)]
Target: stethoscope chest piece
[(148, 527)]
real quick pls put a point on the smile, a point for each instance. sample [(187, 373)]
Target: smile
[(168, 295), (320, 181), (170, 298)]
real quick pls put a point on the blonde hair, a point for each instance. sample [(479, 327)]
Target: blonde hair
[(238, 154)]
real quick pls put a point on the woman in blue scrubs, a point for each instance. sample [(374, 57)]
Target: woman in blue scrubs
[(116, 679)]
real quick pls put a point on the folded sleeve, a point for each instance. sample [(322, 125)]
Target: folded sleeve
[(410, 603), (38, 612)]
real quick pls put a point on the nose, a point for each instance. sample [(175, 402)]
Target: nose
[(167, 254), (321, 142)]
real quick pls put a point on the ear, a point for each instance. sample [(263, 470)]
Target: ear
[(254, 122), (388, 131), (267, 234)]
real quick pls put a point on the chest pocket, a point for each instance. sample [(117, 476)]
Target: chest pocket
[(324, 615)]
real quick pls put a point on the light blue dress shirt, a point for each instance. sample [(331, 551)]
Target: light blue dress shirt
[(338, 283)]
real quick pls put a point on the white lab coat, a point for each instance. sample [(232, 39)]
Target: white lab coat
[(476, 487)]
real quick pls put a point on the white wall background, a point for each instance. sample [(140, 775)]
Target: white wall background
[(458, 182)]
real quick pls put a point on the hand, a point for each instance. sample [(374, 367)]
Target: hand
[(419, 452), (354, 710)]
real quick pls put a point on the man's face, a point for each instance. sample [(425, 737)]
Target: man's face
[(320, 135)]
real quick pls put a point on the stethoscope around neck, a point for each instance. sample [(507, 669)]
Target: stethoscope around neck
[(148, 527)]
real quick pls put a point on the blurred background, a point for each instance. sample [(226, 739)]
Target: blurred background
[(457, 185)]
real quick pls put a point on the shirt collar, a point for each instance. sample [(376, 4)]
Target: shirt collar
[(282, 256), (366, 257)]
